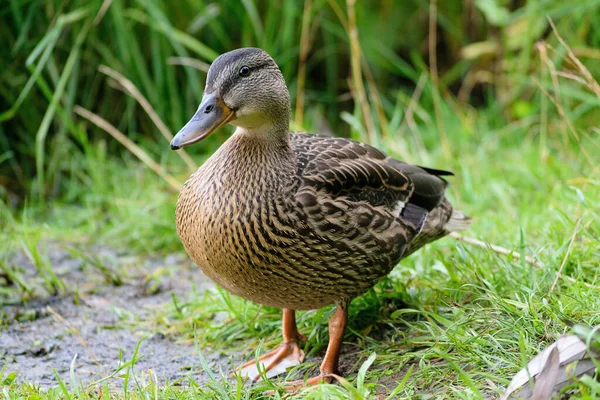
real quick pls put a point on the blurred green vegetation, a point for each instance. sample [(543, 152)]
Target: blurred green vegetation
[(489, 53)]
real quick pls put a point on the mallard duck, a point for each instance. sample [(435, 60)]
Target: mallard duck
[(294, 220)]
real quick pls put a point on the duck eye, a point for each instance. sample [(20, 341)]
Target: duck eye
[(244, 71)]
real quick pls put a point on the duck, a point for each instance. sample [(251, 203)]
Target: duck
[(295, 220)]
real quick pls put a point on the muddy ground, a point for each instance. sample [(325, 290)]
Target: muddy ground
[(40, 338)]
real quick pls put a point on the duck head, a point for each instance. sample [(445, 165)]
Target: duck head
[(245, 88)]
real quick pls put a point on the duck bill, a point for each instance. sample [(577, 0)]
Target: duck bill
[(212, 114)]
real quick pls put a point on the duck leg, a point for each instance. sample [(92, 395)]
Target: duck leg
[(329, 366), (288, 354)]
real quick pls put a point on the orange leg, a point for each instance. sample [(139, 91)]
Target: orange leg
[(329, 366), (288, 354)]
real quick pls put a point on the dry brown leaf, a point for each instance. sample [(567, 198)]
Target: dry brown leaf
[(546, 380), (574, 360)]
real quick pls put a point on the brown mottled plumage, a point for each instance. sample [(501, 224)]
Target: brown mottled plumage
[(294, 220)]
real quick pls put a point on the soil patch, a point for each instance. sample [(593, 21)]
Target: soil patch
[(97, 322)]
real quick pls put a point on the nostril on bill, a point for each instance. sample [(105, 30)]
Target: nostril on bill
[(208, 108)]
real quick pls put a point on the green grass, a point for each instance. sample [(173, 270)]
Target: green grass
[(453, 320)]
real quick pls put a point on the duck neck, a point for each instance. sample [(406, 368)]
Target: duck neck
[(276, 132), (265, 146), (262, 156)]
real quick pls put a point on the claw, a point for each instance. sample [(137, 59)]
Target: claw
[(315, 380), (294, 386), (275, 362)]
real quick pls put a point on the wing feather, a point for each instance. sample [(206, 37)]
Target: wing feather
[(342, 167)]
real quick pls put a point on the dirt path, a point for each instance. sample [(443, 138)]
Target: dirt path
[(40, 338)]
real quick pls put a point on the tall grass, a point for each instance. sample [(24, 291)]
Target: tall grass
[(55, 55)]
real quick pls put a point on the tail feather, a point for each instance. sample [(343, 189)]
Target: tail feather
[(457, 222), (435, 228)]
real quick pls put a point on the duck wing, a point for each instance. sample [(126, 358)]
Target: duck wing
[(341, 173)]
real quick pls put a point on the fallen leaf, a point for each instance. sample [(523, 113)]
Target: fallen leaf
[(574, 360)]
